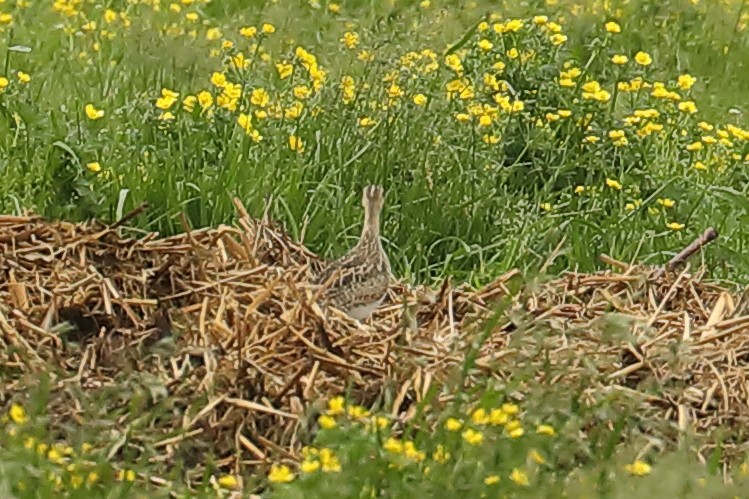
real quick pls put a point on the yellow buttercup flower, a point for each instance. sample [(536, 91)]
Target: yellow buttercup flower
[(296, 144), (453, 424), (613, 27), (638, 468), (674, 226), (93, 167), (643, 59), (520, 477), (614, 184), (17, 414), (23, 77), (228, 481), (473, 437), (284, 69), (685, 81), (350, 39), (92, 113), (620, 59), (280, 474)]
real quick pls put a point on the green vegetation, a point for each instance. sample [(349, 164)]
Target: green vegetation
[(502, 134)]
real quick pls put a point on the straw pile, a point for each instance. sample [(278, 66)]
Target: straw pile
[(225, 324)]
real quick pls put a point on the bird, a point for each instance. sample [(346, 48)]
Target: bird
[(361, 277)]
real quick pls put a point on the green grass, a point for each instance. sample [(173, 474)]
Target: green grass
[(456, 205), (460, 207)]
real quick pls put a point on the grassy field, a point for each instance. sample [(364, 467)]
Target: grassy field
[(501, 133)]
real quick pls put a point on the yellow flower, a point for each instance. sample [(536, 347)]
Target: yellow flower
[(688, 107), (453, 424), (329, 461), (92, 477), (675, 226), (513, 53), (440, 455), (5, 18), (17, 414), (310, 466), (536, 456), (614, 184), (284, 70), (280, 474), (334, 8), (213, 34), (23, 77), (3, 82), (699, 165), (666, 203), (248, 31), (259, 97), (413, 453), (420, 99), (544, 429), (268, 28), (218, 79), (566, 82), (473, 437), (350, 39), (695, 146), (545, 206), (93, 167), (126, 475), (480, 416), (491, 479), (686, 81), (540, 20), (510, 409), (485, 44), (188, 103), (296, 144), (643, 59), (558, 39), (336, 406), (228, 481), (463, 117), (393, 445), (366, 122), (638, 468), (365, 56), (613, 27), (92, 113), (520, 477), (205, 99), (707, 127), (326, 422), (620, 59), (166, 116), (395, 91)]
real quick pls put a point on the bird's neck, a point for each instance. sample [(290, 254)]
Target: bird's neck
[(371, 229)]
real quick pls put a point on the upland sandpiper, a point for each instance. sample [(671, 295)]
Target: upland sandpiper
[(360, 278)]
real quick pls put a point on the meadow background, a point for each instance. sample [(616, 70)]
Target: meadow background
[(503, 132)]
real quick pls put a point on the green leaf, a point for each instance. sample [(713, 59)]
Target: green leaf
[(62, 145)]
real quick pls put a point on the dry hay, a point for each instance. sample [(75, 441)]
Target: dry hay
[(252, 351)]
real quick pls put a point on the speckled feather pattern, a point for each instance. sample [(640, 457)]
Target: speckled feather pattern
[(363, 274)]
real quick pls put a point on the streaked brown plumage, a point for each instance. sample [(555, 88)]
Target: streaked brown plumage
[(362, 274)]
